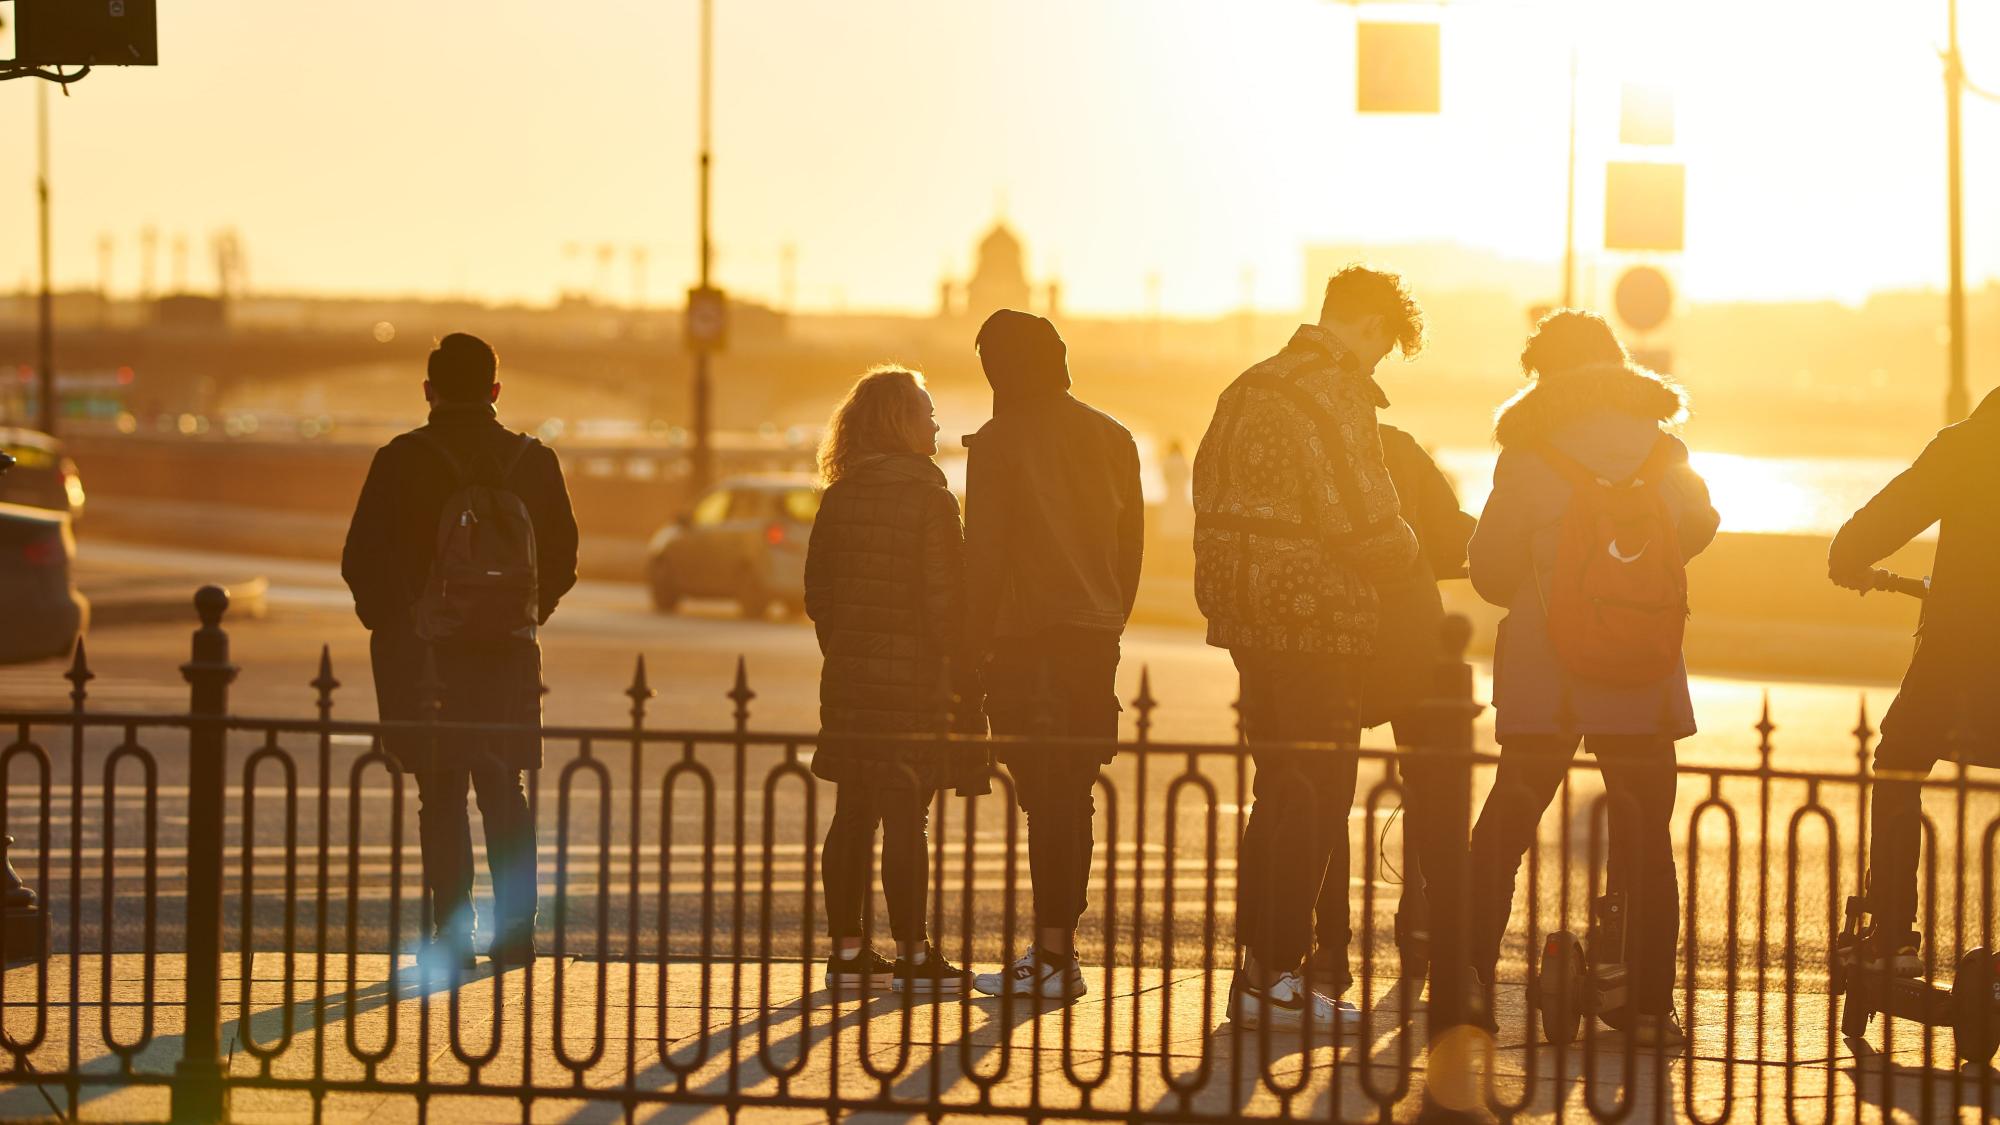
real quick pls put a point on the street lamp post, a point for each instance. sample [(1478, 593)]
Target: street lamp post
[(1958, 397), (45, 329), (702, 470), (1569, 209)]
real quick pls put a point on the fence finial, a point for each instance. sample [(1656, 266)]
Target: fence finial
[(78, 675), (324, 683), (1863, 734), (741, 695), (639, 692), (1143, 703), (1764, 728)]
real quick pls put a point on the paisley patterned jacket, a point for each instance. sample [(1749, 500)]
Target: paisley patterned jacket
[(1295, 515)]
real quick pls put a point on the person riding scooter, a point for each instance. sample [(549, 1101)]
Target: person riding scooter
[(1950, 699)]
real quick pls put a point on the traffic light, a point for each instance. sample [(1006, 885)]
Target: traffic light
[(1396, 67), (1643, 205), (86, 33)]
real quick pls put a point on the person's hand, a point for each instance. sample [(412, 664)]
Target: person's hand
[(1860, 581)]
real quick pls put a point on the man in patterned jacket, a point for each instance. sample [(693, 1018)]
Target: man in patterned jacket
[(1295, 522)]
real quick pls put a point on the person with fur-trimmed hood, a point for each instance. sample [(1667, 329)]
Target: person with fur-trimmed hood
[(1589, 410)]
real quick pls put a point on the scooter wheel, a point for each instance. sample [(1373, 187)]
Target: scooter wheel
[(1854, 1015), (1559, 986), (1972, 1000)]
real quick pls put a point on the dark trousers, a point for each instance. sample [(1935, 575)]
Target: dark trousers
[(1295, 841), (1639, 781), (1434, 867), (904, 814), (1060, 683), (446, 834), (1895, 845)]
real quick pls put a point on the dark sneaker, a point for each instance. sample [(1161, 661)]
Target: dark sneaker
[(929, 974), (865, 969), (512, 954)]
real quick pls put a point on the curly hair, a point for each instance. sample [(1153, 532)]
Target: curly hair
[(872, 419), (1359, 291), (1570, 338)]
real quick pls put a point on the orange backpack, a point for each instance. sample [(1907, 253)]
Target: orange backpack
[(1617, 600)]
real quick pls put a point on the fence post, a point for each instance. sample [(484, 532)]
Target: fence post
[(199, 1094), (1452, 1087)]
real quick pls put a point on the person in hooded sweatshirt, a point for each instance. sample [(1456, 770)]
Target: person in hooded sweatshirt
[(1054, 526), (1587, 404), (885, 588)]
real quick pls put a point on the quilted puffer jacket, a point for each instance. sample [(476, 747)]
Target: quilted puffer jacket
[(885, 588)]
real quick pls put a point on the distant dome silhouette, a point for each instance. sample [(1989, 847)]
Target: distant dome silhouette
[(999, 274)]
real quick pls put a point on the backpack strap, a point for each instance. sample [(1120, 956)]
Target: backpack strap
[(458, 473), (520, 450), (1654, 468)]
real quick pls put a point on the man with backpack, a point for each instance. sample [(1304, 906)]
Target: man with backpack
[(461, 545), (1295, 521), (1949, 705), (1584, 541)]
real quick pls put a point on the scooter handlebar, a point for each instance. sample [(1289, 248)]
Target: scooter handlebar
[(1895, 583)]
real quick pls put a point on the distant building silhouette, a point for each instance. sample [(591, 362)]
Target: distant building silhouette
[(999, 281)]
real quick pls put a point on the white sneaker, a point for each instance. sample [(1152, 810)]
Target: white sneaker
[(1289, 1005), (1032, 974)]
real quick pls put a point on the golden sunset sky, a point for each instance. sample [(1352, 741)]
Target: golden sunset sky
[(445, 146)]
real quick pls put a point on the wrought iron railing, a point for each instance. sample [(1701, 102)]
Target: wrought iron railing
[(226, 910)]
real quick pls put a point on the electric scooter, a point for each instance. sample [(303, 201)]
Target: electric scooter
[(1970, 1005), (1577, 979)]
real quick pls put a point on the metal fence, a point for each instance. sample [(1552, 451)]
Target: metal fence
[(226, 911)]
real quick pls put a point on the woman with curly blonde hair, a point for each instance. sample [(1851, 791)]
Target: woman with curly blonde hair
[(885, 584)]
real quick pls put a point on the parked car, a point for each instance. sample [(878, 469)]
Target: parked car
[(43, 476), (745, 539), (43, 612)]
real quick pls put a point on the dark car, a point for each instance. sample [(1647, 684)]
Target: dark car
[(43, 476), (744, 540), (43, 611)]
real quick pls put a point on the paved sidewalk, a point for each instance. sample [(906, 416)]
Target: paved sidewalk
[(1152, 1046)]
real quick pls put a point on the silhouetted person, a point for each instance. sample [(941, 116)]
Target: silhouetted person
[(1950, 698), (1054, 527), (1395, 684), (1176, 512), (1295, 522), (461, 493), (1590, 420), (885, 587)]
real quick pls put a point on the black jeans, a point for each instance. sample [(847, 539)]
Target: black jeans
[(904, 814), (1895, 845), (1295, 842), (1060, 683), (1639, 785), (1434, 869), (446, 833)]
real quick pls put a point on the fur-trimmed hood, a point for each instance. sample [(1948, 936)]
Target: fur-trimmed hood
[(1551, 402)]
